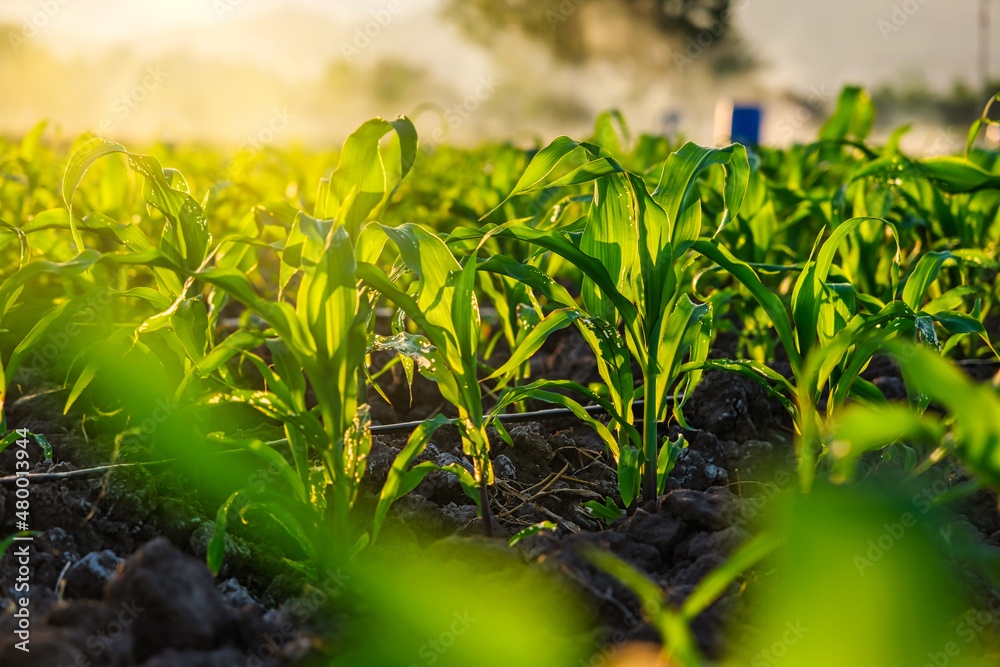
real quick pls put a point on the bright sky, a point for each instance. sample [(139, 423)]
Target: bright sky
[(805, 41), (805, 44), (294, 37)]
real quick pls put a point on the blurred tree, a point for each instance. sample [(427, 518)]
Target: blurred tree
[(577, 30), (395, 80)]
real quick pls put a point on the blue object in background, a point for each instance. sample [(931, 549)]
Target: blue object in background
[(746, 124)]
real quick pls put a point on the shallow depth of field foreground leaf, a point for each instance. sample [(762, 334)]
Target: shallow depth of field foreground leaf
[(861, 580), (458, 604)]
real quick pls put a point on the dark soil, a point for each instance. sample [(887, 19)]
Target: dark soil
[(119, 575)]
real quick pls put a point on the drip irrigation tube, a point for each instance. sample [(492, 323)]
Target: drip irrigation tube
[(405, 427)]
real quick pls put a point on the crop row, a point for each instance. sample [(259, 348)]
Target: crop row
[(816, 257)]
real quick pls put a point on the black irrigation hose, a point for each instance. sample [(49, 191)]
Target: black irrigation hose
[(406, 427), (92, 472), (86, 472)]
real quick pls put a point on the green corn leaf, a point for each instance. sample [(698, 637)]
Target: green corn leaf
[(629, 474), (666, 460), (653, 280), (771, 304), (299, 520), (531, 530), (11, 287), (677, 338), (78, 165), (949, 300), (853, 116), (367, 174), (437, 269), (956, 175), (609, 137), (234, 344), (542, 164), (186, 238), (613, 363), (37, 334), (469, 483), (190, 322), (923, 275), (22, 241), (538, 390), (439, 336), (594, 170), (610, 236), (677, 194), (217, 544), (467, 325), (860, 429), (273, 458), (281, 316), (674, 629), (554, 321), (289, 371), (811, 289), (959, 323), (357, 446), (275, 383), (96, 359), (976, 409), (776, 384), (593, 269), (718, 580), (607, 511), (528, 275)]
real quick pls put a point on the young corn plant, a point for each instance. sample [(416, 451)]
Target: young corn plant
[(970, 428), (322, 340), (632, 249), (182, 245), (319, 341), (674, 625), (828, 337), (443, 304)]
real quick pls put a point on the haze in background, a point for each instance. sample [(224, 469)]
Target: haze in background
[(246, 71)]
